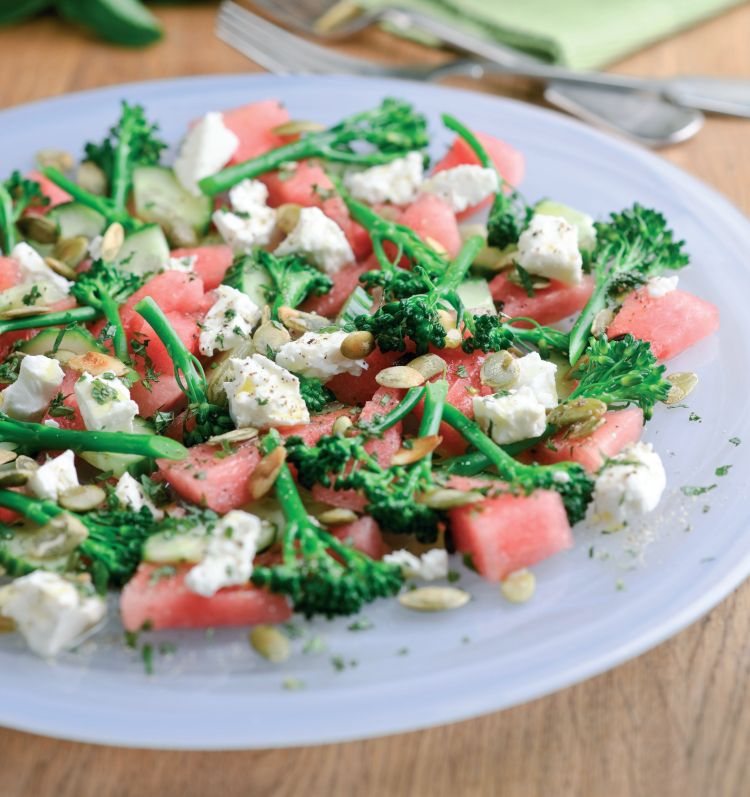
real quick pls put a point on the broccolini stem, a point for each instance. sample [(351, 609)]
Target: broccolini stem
[(7, 220), (546, 339), (38, 437), (62, 318), (40, 512), (474, 462), (457, 127), (456, 272), (410, 400), (581, 331), (188, 371)]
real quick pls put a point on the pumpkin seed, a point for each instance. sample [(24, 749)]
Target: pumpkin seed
[(92, 178), (82, 498), (436, 246), (399, 376), (26, 464), (112, 241), (7, 456), (341, 425), (11, 477), (683, 383), (97, 363), (270, 643), (300, 321), (337, 516), (234, 436), (601, 321), (434, 599), (453, 339), (56, 158), (72, 250), (577, 411), (447, 319), (296, 126), (583, 428), (428, 365), (447, 498), (287, 216), (264, 476), (519, 586), (270, 335), (500, 370), (537, 283), (40, 229), (420, 448), (24, 312), (63, 269), (357, 345)]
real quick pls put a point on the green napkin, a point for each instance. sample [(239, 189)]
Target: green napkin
[(583, 34)]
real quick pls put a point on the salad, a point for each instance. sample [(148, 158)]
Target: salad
[(295, 372)]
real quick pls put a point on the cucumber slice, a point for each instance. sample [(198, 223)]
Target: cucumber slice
[(76, 219), (359, 303), (126, 22), (579, 219), (25, 296), (75, 341), (160, 199), (144, 252), (168, 547), (118, 464), (476, 297), (17, 552), (251, 278)]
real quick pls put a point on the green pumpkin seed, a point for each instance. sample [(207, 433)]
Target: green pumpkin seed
[(429, 365), (399, 376), (601, 321), (270, 643), (296, 126), (357, 345), (287, 216), (519, 587), (337, 516), (500, 371), (72, 251), (83, 498), (683, 383), (63, 269), (577, 411), (434, 599), (112, 241), (447, 498), (40, 229), (92, 178), (56, 158)]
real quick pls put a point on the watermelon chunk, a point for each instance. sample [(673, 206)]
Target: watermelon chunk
[(364, 535), (75, 421), (350, 389), (218, 483), (157, 602), (432, 217), (162, 395), (670, 323), (510, 532), (212, 263), (546, 306), (55, 194), (319, 425), (10, 273), (344, 283), (620, 428), (171, 290), (253, 125), (186, 328)]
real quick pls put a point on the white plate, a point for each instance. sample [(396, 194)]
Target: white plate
[(589, 613)]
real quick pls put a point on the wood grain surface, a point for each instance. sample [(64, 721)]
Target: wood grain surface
[(675, 721)]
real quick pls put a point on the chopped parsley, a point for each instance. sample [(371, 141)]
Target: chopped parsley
[(722, 470), (692, 490)]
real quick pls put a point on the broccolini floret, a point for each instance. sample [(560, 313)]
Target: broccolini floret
[(17, 194), (315, 394)]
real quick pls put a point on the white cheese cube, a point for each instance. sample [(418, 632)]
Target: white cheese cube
[(661, 286), (207, 147), (54, 477), (431, 565), (263, 394), (38, 382), (185, 264), (463, 186), (34, 270), (50, 612), (130, 494), (104, 402), (231, 319), (228, 560), (397, 182), (512, 417), (548, 247), (539, 375), (319, 239), (628, 486), (248, 195), (318, 355), (242, 232)]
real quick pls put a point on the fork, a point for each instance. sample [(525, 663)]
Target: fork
[(641, 115)]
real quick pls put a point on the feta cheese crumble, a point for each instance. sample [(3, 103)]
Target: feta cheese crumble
[(319, 239), (185, 264), (463, 186), (318, 355), (208, 147), (539, 375), (34, 270), (231, 319), (38, 382), (262, 393), (548, 247), (54, 477), (104, 402), (228, 560), (661, 286), (50, 611), (252, 223), (431, 565), (509, 418), (629, 485), (130, 493), (397, 181)]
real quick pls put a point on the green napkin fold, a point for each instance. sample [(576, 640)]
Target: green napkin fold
[(582, 34)]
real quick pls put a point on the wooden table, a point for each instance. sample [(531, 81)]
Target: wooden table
[(673, 722)]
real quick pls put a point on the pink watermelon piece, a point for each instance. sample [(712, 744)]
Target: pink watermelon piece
[(75, 421), (507, 159), (510, 532), (253, 125), (55, 194), (670, 323), (186, 328), (620, 428), (546, 306), (171, 290), (319, 426), (432, 217), (154, 601), (364, 535), (10, 273), (212, 263), (350, 389), (344, 283), (162, 395), (207, 480)]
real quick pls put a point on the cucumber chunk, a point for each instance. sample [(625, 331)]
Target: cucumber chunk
[(476, 297), (579, 219), (160, 199), (71, 341), (250, 277), (359, 303), (76, 219), (144, 252), (134, 464)]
